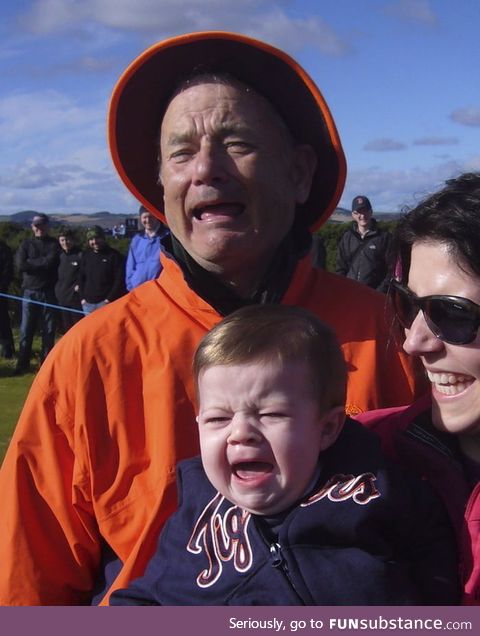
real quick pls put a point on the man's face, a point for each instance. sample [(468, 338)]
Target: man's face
[(362, 216), (39, 228), (96, 243), (231, 177), (149, 222), (261, 432)]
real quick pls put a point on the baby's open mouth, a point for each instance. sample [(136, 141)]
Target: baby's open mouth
[(248, 470)]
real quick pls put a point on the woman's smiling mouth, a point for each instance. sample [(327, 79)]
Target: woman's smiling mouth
[(450, 383)]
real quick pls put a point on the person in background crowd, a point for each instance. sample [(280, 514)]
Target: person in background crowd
[(250, 163), (67, 287), (436, 296), (101, 277), (364, 249), (37, 260), (7, 347), (143, 259)]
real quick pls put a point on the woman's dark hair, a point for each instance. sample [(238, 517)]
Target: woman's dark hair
[(450, 216)]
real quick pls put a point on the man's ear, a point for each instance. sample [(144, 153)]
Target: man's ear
[(304, 164), (332, 424)]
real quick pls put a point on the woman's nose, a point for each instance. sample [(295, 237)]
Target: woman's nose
[(420, 339)]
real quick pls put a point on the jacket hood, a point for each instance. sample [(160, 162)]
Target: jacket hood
[(142, 93)]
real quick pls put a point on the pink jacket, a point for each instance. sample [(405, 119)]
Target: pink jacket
[(409, 438)]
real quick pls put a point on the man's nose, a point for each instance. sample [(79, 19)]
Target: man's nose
[(210, 164), (420, 339), (244, 430)]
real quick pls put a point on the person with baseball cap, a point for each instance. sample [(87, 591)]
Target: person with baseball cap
[(102, 272), (364, 249), (37, 259), (230, 141)]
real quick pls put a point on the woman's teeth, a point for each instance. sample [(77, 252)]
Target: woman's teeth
[(449, 383)]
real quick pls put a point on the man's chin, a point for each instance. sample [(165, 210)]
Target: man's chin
[(223, 249)]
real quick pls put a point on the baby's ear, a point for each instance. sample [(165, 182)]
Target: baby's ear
[(332, 424)]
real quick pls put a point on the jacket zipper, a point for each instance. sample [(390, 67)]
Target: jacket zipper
[(278, 561)]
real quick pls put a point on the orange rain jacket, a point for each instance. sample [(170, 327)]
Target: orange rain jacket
[(112, 411)]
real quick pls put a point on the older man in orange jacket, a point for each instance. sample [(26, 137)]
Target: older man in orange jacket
[(250, 163)]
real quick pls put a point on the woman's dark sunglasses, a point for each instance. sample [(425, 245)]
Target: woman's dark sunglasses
[(450, 318)]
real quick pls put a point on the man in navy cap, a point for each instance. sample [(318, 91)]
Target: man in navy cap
[(37, 260), (364, 248)]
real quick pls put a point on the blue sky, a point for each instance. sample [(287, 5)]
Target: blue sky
[(400, 76)]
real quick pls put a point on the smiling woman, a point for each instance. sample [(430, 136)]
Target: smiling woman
[(437, 301)]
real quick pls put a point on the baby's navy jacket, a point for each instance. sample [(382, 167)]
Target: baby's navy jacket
[(366, 533)]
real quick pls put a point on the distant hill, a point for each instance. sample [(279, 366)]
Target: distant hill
[(103, 218), (108, 219), (342, 215)]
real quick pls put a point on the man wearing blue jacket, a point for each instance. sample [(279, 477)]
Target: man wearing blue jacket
[(143, 259)]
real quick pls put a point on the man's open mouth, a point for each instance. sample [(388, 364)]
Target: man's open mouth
[(216, 210)]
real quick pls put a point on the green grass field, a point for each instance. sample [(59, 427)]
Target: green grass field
[(13, 391)]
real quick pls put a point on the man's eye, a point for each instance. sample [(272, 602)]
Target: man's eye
[(238, 146), (181, 155)]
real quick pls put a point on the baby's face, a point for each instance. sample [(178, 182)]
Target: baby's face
[(261, 432)]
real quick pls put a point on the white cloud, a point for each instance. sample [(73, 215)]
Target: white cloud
[(419, 11), (278, 28), (436, 141), (58, 187), (50, 126), (392, 190), (57, 151), (37, 113), (473, 164), (265, 19), (33, 174), (384, 145), (466, 116)]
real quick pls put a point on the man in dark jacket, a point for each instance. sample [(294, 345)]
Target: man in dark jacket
[(6, 276), (67, 287), (363, 249), (37, 260), (102, 272)]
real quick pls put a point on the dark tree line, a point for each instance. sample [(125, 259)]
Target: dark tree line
[(14, 233)]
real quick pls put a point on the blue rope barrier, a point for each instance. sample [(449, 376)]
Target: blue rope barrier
[(38, 302)]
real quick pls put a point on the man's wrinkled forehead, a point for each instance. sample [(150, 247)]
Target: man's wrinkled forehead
[(244, 92)]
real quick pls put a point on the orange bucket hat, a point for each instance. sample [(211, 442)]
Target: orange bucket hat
[(143, 91)]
